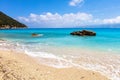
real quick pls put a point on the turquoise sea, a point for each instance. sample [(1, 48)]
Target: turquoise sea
[(100, 53), (106, 39)]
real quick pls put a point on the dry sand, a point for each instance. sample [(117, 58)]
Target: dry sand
[(17, 66)]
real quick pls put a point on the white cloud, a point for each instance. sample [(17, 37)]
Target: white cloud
[(115, 20), (24, 19), (66, 20), (56, 20), (75, 2)]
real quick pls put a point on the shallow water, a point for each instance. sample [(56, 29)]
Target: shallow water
[(107, 39), (59, 49)]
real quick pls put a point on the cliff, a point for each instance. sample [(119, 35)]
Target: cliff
[(7, 22)]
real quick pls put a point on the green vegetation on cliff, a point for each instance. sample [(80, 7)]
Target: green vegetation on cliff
[(7, 22)]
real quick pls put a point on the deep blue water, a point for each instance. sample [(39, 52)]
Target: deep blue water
[(106, 39)]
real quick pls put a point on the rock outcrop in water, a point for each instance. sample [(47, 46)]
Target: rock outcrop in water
[(35, 34), (7, 22), (83, 33)]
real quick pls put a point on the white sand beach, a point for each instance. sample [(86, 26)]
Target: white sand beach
[(18, 66)]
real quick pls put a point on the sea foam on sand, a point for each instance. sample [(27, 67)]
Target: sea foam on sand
[(106, 64)]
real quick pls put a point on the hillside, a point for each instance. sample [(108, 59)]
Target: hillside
[(7, 22)]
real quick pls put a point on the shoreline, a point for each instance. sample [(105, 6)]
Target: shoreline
[(87, 60), (21, 66)]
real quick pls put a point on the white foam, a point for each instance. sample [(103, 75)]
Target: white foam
[(109, 66), (41, 54)]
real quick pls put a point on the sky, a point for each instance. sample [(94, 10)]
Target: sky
[(62, 13)]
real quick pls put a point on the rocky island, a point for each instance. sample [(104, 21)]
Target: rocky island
[(7, 22), (83, 33)]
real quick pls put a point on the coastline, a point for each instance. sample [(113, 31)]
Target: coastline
[(14, 66), (59, 52)]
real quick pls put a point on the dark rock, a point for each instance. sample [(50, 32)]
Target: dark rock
[(35, 34), (83, 33)]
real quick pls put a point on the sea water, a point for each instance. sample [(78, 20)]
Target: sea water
[(56, 47)]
